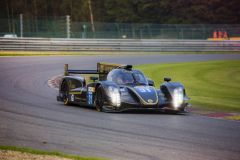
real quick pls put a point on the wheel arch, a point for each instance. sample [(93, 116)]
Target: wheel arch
[(64, 80), (168, 87)]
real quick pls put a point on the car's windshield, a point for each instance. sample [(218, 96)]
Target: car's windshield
[(127, 77), (139, 78)]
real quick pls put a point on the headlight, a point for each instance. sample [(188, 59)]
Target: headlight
[(114, 95), (177, 97)]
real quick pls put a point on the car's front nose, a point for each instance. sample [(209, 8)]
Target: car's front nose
[(147, 95)]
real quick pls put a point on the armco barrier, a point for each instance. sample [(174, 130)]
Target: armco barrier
[(144, 45)]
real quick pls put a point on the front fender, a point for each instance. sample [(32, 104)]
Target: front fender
[(175, 96), (111, 92), (168, 88)]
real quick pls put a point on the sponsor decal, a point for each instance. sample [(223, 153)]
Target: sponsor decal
[(122, 89), (91, 89), (144, 89), (89, 97), (74, 92), (72, 97), (150, 101)]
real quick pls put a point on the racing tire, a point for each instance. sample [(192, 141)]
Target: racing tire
[(66, 99), (99, 102)]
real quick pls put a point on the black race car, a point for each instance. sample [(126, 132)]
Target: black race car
[(116, 88)]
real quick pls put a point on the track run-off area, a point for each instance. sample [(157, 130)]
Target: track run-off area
[(30, 116)]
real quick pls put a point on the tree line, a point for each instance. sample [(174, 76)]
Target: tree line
[(127, 11)]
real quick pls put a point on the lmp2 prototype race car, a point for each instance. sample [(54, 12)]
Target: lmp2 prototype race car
[(116, 88)]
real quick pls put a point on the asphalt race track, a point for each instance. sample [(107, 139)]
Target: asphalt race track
[(30, 116)]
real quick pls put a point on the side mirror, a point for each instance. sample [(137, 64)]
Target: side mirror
[(167, 79), (150, 82), (93, 78)]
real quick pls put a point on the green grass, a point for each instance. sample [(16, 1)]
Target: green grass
[(39, 152), (80, 53), (212, 85)]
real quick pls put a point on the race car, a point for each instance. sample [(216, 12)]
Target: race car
[(117, 88)]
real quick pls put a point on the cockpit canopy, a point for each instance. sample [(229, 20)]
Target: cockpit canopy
[(125, 77)]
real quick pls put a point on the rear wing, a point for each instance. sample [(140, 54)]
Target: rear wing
[(103, 69)]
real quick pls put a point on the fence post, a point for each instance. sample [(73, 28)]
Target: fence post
[(182, 37), (149, 31), (68, 27), (118, 35), (84, 33), (141, 34), (133, 30), (21, 25), (204, 32)]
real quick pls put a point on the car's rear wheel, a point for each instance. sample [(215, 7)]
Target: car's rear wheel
[(64, 92), (99, 101), (66, 99)]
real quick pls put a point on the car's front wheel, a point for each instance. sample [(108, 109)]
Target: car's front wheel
[(99, 101)]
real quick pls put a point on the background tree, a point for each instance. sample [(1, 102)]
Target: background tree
[(136, 11)]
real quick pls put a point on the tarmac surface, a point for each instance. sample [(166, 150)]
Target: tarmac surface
[(30, 116)]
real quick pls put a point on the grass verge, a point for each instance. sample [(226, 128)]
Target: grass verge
[(80, 53), (212, 85), (49, 153), (235, 118)]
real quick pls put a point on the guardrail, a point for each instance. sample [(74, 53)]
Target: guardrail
[(144, 45)]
